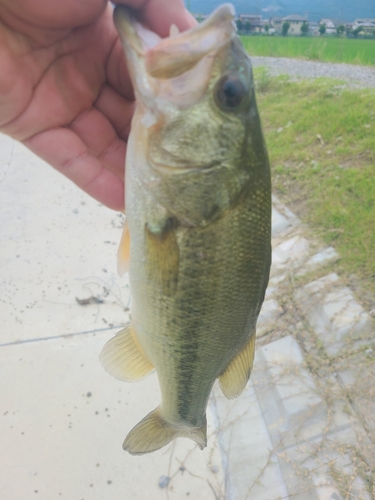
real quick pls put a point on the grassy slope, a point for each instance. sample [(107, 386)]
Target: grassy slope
[(321, 141), (330, 49)]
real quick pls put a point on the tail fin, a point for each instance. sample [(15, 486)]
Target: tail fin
[(153, 432)]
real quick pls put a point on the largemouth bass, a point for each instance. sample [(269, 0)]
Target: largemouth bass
[(196, 242)]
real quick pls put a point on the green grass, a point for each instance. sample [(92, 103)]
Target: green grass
[(321, 141), (329, 49)]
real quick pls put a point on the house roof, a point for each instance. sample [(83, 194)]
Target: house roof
[(335, 22), (295, 17), (250, 16), (361, 20)]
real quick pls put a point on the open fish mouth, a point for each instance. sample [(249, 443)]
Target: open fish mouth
[(179, 65)]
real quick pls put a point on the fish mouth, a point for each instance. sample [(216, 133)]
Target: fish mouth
[(182, 60)]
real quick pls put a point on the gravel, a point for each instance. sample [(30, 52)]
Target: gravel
[(353, 75)]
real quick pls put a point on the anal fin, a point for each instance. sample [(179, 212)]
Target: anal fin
[(233, 381), (123, 358), (153, 432)]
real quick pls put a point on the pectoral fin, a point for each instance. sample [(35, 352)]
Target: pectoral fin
[(123, 253), (233, 381), (153, 432), (123, 358)]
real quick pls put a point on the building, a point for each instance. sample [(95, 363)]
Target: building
[(276, 23), (295, 22), (331, 25), (361, 20), (254, 22), (367, 25), (313, 28)]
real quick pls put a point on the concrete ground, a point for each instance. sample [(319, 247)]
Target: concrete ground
[(294, 433)]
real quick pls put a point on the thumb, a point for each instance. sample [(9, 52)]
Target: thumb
[(158, 15)]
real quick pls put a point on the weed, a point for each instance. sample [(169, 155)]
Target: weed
[(321, 141), (263, 81)]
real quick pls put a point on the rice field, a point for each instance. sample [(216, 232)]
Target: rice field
[(325, 49)]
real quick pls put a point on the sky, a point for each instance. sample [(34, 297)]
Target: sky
[(346, 10)]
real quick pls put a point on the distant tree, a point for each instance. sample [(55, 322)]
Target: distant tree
[(239, 25), (322, 29), (285, 28), (340, 29), (357, 31), (348, 31), (304, 28), (247, 26), (266, 28)]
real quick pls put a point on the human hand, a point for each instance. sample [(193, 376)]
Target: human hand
[(64, 87)]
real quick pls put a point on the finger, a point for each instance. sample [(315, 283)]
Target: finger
[(118, 110), (52, 15), (66, 152), (66, 86), (45, 22), (101, 140), (158, 15), (117, 72)]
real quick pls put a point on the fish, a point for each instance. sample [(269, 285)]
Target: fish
[(197, 237)]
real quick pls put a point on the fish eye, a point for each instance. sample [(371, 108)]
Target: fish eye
[(229, 92)]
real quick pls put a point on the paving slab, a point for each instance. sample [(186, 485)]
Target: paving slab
[(356, 373), (292, 408), (334, 314), (323, 257), (251, 468), (271, 310), (285, 212), (322, 468), (279, 222), (63, 421), (290, 253), (308, 437)]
